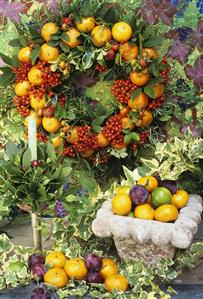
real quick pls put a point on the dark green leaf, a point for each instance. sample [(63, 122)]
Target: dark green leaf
[(35, 53), (154, 81), (156, 41), (149, 31), (165, 117), (64, 47), (23, 40), (149, 91), (65, 37), (40, 153), (100, 109), (98, 121), (55, 36), (26, 161), (132, 136), (33, 31), (15, 61), (52, 43), (7, 79), (11, 149), (38, 41), (6, 59), (136, 93), (51, 151), (15, 43)]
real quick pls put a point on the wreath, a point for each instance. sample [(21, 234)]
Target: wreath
[(93, 80)]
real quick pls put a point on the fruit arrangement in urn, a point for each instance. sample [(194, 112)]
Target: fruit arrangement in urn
[(150, 199)]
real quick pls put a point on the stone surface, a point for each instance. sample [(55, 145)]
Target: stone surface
[(164, 237)]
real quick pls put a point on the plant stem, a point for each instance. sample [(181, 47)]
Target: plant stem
[(37, 237)]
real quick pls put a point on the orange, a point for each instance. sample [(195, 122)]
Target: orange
[(36, 117), (22, 88), (35, 76), (102, 140), (72, 135), (128, 51), (124, 111), (73, 35), (50, 124), (57, 141), (37, 103), (118, 145), (56, 277), (121, 32), (158, 90), (48, 29), (149, 182), (86, 24), (145, 119), (139, 102), (144, 211), (108, 268), (56, 259), (116, 282), (180, 199), (166, 213), (87, 153), (149, 53), (127, 123), (24, 54), (75, 268), (100, 35), (139, 78), (123, 189), (48, 53), (121, 204)]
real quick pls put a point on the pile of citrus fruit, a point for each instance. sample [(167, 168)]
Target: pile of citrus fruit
[(38, 86), (150, 199), (92, 269)]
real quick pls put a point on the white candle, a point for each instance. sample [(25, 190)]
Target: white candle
[(32, 137)]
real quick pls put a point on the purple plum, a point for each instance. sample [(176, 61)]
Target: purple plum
[(34, 259), (94, 277), (93, 262), (138, 194), (168, 184), (40, 293), (39, 270)]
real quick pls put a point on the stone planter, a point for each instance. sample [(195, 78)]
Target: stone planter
[(149, 240)]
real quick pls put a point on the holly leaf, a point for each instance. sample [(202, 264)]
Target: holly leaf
[(179, 51), (195, 73), (12, 10), (35, 53), (6, 59)]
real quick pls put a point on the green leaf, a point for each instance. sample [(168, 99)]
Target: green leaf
[(35, 53), (98, 121), (53, 43), (155, 42), (26, 161), (136, 93), (165, 117), (65, 37), (34, 32), (65, 172), (15, 61), (7, 79), (132, 136), (11, 150), (23, 41), (6, 59), (64, 47), (148, 32), (51, 151), (15, 43), (149, 91), (55, 36), (154, 81)]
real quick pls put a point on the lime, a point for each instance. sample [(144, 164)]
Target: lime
[(161, 196)]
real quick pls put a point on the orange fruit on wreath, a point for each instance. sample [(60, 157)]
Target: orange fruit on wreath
[(72, 135), (48, 29), (140, 78), (121, 32), (158, 90), (102, 140), (37, 103), (123, 111), (73, 35), (86, 154), (75, 268), (22, 88), (166, 213), (116, 145), (180, 199), (149, 182), (57, 141), (108, 268), (24, 54), (128, 51), (121, 204), (86, 24), (48, 53), (127, 123), (35, 76), (100, 35), (34, 114), (149, 53), (145, 119), (144, 211), (139, 102), (51, 124), (56, 277), (56, 259), (116, 282), (123, 189)]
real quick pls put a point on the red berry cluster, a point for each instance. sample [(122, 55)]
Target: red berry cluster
[(51, 79), (113, 127), (69, 152), (22, 71), (41, 137), (61, 99), (144, 136), (37, 91), (119, 140), (22, 105), (156, 103), (164, 60), (86, 139), (101, 68), (164, 74), (122, 90)]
